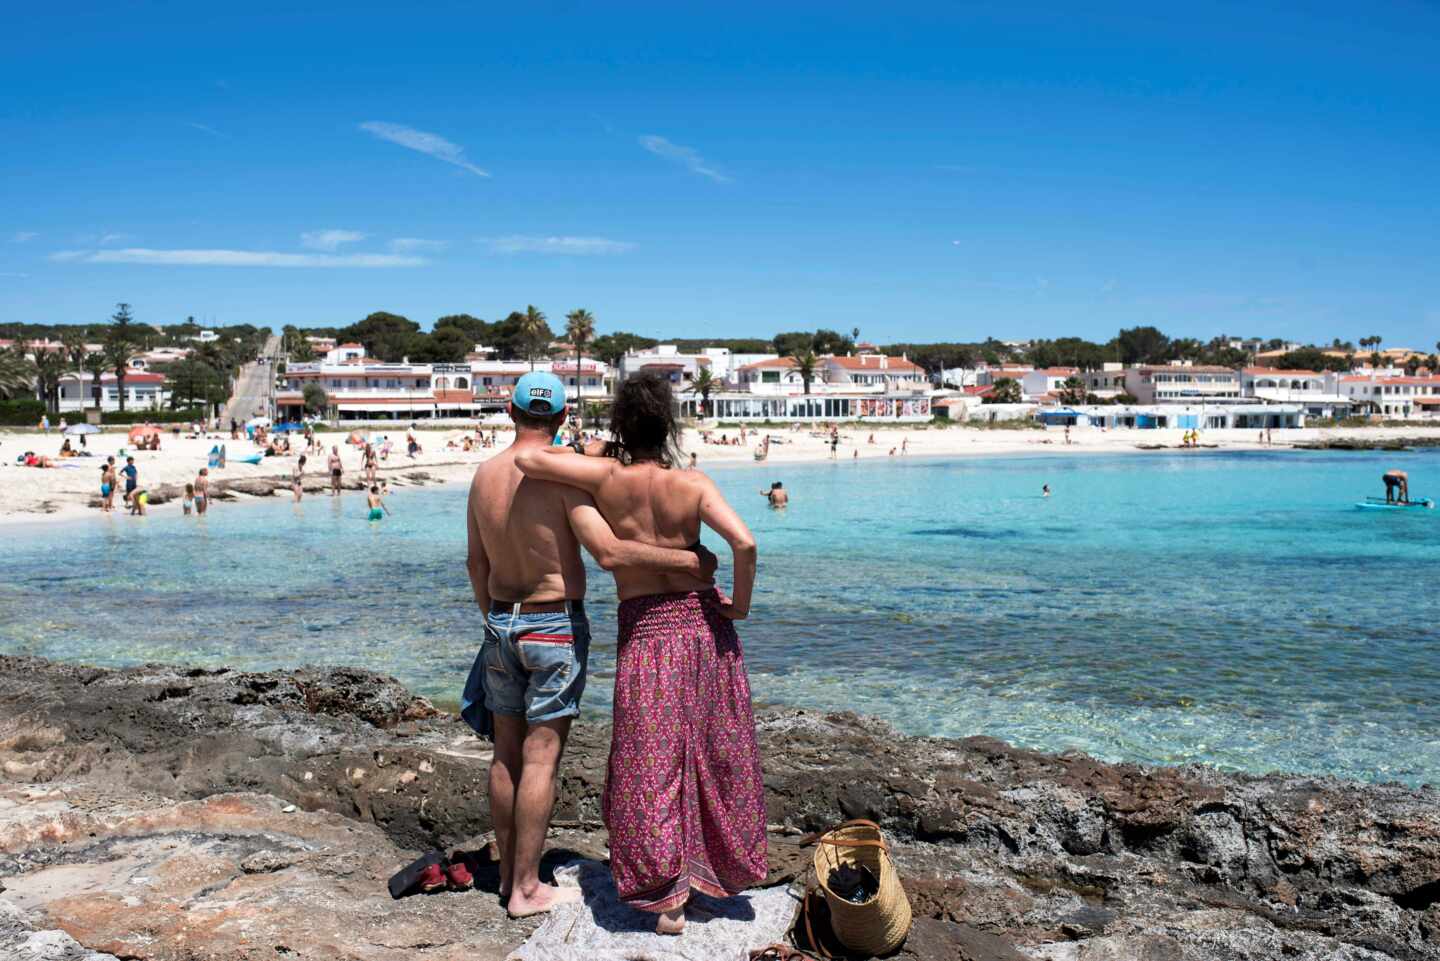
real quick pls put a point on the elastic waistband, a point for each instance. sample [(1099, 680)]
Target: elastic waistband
[(708, 596), (537, 607)]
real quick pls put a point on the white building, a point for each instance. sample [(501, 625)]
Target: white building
[(1401, 396), (359, 389), (1318, 391), (1229, 416), (864, 387), (143, 391), (1182, 383), (1046, 382)]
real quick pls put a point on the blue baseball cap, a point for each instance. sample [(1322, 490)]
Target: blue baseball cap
[(539, 393)]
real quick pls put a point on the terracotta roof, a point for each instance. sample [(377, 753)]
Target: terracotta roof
[(873, 362), (340, 346), (771, 364), (1382, 379), (1171, 369), (976, 390), (1057, 371)]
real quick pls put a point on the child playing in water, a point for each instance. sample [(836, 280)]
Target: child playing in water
[(377, 506), (189, 500)]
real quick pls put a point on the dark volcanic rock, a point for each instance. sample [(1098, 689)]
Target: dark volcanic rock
[(1006, 853)]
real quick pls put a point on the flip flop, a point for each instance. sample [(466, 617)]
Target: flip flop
[(407, 879)]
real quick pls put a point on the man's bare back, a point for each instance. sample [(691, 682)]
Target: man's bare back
[(524, 524)]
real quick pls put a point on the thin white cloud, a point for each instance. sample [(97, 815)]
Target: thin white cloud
[(232, 258), (688, 157), (15, 275), (427, 143), (107, 240), (329, 239), (572, 246), (23, 236), (414, 245), (210, 130)]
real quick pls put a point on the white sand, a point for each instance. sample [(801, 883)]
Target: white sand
[(30, 494)]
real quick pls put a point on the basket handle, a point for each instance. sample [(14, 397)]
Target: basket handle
[(857, 842)]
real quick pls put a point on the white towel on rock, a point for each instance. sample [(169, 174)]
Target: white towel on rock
[(601, 928)]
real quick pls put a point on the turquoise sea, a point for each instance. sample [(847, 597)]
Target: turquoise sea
[(1231, 609)]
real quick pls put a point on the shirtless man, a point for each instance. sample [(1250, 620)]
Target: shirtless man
[(777, 495), (1396, 482), (527, 576), (336, 469)]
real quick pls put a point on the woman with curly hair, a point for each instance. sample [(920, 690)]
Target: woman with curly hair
[(684, 801)]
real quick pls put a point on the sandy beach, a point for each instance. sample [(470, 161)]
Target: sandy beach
[(66, 492)]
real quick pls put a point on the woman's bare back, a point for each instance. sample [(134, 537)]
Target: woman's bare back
[(648, 503)]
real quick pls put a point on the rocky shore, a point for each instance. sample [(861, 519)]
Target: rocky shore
[(171, 814)]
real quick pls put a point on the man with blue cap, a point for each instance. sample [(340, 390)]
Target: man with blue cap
[(528, 578)]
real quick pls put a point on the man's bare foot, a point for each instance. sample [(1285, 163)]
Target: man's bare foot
[(546, 896), (671, 922)]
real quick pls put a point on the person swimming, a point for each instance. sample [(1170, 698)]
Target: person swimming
[(1044, 490), (777, 495)]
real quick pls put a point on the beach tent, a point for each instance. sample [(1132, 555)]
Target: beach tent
[(77, 429)]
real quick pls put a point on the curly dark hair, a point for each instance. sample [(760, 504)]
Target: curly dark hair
[(642, 422)]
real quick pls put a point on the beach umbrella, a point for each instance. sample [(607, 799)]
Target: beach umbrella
[(143, 430), (76, 429)]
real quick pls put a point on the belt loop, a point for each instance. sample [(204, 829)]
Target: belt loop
[(515, 611), (569, 611)]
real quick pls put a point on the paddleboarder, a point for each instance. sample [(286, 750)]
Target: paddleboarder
[(1396, 481)]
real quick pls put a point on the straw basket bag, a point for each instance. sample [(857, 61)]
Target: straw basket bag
[(879, 925)]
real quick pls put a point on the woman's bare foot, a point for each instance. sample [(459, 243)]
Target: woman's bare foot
[(542, 899), (671, 922)]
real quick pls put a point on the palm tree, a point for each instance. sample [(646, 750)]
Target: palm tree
[(703, 383), (579, 330), (533, 332), (75, 351), (95, 365), (807, 365), (117, 356), (50, 366), (17, 374)]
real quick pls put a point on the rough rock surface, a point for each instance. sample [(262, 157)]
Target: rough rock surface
[(170, 813)]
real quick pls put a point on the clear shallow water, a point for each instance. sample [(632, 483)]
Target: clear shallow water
[(1231, 609)]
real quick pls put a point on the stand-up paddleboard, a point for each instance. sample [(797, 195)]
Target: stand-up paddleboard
[(1379, 504)]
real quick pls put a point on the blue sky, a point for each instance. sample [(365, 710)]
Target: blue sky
[(920, 172)]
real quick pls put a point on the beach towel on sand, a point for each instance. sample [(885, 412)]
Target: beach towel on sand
[(602, 928)]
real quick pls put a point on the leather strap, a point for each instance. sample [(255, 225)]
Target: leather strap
[(536, 607)]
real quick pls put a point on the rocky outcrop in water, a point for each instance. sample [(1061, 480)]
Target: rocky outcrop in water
[(168, 813)]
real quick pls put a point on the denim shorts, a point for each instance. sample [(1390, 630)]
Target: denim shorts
[(532, 665)]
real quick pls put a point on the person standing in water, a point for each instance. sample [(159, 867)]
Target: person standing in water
[(777, 495), (378, 510), (684, 800), (297, 479), (336, 470), (202, 490)]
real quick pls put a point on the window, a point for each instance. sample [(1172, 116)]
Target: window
[(770, 377)]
